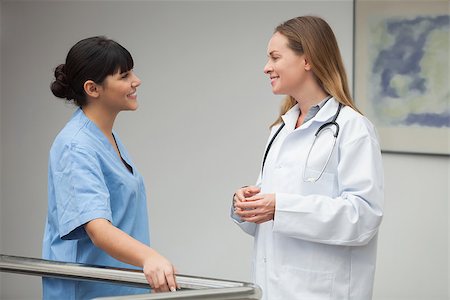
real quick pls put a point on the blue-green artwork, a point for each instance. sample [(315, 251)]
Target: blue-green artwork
[(409, 73)]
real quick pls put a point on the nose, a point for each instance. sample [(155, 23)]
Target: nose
[(268, 68), (136, 81)]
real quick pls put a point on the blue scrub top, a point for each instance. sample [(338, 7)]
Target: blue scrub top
[(87, 180)]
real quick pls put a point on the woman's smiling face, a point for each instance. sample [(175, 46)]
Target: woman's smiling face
[(286, 69), (119, 91)]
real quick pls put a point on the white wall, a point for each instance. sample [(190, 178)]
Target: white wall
[(1, 190), (413, 245), (199, 133)]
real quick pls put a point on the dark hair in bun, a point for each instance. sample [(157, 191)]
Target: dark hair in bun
[(93, 59), (60, 88)]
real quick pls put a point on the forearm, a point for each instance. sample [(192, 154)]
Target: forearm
[(117, 243), (159, 272)]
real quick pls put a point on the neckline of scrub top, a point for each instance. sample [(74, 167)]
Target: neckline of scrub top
[(104, 140), (127, 165)]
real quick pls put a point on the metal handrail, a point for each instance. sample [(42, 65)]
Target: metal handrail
[(192, 287), (241, 293)]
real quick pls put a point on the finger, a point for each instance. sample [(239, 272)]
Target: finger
[(175, 270), (255, 197), (238, 199), (171, 281), (249, 193), (240, 209), (237, 211), (244, 213), (250, 204), (258, 219), (252, 219), (246, 207), (252, 189), (155, 281), (162, 282), (240, 195), (238, 205), (249, 213), (150, 281)]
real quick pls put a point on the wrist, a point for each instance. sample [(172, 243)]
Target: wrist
[(148, 256)]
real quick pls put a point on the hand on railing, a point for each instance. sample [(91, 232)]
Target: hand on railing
[(160, 273)]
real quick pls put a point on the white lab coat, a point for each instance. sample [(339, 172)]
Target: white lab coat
[(322, 242)]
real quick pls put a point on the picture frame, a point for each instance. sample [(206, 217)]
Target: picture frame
[(401, 73)]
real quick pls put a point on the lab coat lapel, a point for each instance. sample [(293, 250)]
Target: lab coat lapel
[(290, 118), (327, 112)]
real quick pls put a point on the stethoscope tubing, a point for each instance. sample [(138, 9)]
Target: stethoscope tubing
[(270, 146), (322, 127)]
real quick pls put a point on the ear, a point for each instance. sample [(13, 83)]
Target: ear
[(307, 64), (91, 89)]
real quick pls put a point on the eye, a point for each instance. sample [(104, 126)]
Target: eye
[(275, 58), (125, 75)]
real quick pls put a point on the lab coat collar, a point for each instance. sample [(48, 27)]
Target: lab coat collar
[(327, 111), (291, 116)]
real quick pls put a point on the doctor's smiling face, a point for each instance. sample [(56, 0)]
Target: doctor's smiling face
[(287, 70)]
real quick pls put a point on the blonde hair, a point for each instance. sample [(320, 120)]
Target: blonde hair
[(314, 38)]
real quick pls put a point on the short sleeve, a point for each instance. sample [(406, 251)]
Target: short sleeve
[(80, 190)]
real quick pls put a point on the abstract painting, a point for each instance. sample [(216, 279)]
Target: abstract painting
[(402, 63)]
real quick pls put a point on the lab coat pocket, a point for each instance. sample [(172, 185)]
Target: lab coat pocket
[(325, 185), (303, 284)]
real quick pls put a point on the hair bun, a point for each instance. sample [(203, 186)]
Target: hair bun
[(60, 88)]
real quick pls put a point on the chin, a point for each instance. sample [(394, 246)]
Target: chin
[(276, 92), (131, 108)]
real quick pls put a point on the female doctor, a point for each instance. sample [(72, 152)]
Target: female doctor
[(318, 203)]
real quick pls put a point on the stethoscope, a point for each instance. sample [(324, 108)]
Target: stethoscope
[(322, 128)]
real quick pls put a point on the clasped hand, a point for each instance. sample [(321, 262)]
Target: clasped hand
[(253, 207)]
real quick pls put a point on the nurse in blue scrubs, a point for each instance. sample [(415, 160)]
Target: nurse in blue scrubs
[(97, 208)]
